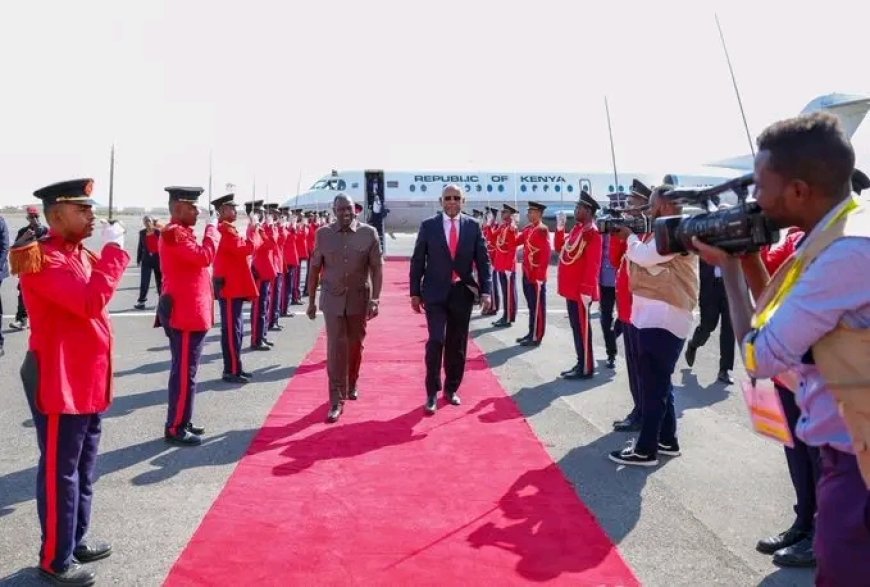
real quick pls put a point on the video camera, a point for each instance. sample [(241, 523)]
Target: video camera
[(614, 219), (743, 228)]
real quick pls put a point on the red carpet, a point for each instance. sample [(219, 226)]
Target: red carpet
[(390, 496)]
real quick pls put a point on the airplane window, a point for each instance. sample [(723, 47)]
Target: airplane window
[(546, 187), (535, 188), (523, 188), (479, 187), (423, 187), (557, 187), (342, 185), (412, 187), (501, 187), (319, 185), (610, 189), (354, 185), (467, 188), (570, 187), (621, 189), (489, 188)]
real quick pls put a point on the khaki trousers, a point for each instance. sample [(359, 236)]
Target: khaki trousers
[(344, 344)]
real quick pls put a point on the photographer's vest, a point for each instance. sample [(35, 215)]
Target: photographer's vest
[(675, 283), (843, 355)]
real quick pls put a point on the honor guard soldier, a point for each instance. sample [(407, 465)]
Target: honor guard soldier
[(303, 251), (504, 264), (233, 284), (291, 259), (638, 201), (310, 231), (579, 269), (67, 370), (489, 235), (535, 240), (186, 307), (264, 275), (274, 233)]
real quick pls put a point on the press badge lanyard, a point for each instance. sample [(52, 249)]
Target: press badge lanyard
[(762, 318)]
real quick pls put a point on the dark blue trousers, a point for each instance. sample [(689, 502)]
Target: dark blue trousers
[(658, 351), (536, 300), (495, 288), (259, 313), (232, 328), (581, 328), (68, 445), (288, 291), (185, 347), (630, 340), (275, 300), (803, 465), (508, 283)]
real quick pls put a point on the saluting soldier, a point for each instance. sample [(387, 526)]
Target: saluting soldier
[(276, 235), (505, 264), (233, 284), (303, 251), (291, 259), (67, 371), (535, 240), (578, 273), (186, 306), (489, 235), (264, 275)]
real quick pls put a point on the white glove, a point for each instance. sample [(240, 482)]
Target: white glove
[(213, 218), (113, 232), (561, 219)]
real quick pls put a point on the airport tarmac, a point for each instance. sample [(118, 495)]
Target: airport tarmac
[(694, 520)]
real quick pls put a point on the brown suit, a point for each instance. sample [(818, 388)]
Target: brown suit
[(345, 260)]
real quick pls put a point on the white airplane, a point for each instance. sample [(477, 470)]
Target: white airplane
[(411, 196)]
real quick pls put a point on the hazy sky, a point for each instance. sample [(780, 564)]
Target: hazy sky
[(279, 89)]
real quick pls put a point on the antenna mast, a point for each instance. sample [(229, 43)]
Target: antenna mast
[(209, 175), (111, 181), (736, 89), (612, 149)]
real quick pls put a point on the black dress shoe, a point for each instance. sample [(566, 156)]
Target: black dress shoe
[(230, 378), (453, 398), (578, 374), (524, 338), (501, 323), (268, 342), (627, 425), (611, 363), (724, 377), (246, 375), (797, 555), (690, 354), (431, 405), (276, 328), (261, 347), (183, 438), (193, 428), (783, 540), (354, 394), (88, 552), (75, 574), (334, 413), (530, 342), (568, 371)]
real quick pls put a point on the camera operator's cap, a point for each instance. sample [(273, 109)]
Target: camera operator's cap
[(536, 206), (226, 200), (509, 208), (860, 181), (587, 200), (74, 191), (640, 190), (189, 195)]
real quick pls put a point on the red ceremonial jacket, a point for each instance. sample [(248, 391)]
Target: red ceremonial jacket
[(291, 255), (264, 268), (579, 262), (535, 239), (505, 243), (302, 242), (310, 235), (232, 263), (186, 278), (70, 333), (273, 233), (618, 247)]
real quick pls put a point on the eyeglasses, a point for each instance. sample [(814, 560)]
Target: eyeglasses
[(451, 198)]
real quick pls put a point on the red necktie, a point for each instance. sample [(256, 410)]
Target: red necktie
[(453, 244)]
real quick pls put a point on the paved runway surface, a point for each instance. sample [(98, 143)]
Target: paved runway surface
[(694, 520)]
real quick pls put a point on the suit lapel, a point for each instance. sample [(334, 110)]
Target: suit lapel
[(442, 236)]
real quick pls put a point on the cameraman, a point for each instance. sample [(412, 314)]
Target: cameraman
[(802, 178), (664, 293)]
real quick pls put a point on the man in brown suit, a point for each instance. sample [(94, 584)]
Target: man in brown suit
[(347, 254)]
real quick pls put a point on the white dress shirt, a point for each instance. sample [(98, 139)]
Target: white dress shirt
[(649, 313)]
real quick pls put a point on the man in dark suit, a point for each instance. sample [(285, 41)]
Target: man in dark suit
[(148, 260), (4, 265), (714, 311), (449, 246)]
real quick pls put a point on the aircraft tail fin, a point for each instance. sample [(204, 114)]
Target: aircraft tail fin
[(850, 109)]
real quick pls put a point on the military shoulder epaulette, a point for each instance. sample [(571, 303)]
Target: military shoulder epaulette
[(26, 255), (170, 234)]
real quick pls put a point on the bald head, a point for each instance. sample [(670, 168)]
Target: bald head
[(452, 199), (342, 207)]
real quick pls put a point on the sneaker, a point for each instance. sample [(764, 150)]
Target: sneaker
[(139, 306), (18, 325), (671, 450), (627, 456)]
